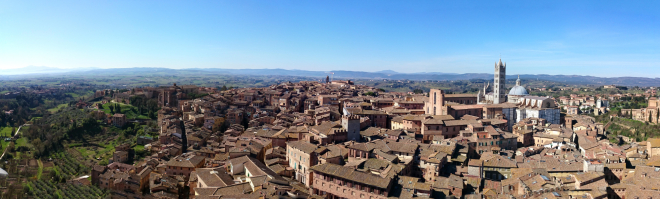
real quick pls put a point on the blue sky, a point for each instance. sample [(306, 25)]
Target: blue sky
[(599, 38)]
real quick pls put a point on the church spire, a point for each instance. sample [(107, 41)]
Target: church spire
[(518, 81)]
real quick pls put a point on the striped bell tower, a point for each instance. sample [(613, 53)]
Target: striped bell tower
[(499, 87)]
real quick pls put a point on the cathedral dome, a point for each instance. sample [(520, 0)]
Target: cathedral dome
[(518, 89)]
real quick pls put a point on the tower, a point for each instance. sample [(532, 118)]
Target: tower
[(352, 125), (499, 86)]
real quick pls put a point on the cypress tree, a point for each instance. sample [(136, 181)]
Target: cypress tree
[(184, 138)]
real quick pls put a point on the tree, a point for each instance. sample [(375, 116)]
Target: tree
[(134, 110), (11, 147), (245, 122), (150, 114), (224, 88), (218, 124), (38, 146), (13, 131), (112, 109), (117, 108), (102, 162)]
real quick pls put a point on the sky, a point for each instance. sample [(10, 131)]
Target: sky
[(598, 38)]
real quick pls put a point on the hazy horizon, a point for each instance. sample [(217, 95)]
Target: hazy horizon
[(72, 70), (591, 38)]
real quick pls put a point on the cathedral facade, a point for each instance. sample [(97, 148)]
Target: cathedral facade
[(516, 104)]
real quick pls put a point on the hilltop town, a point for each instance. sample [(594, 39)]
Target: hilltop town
[(329, 99), (335, 139), (326, 138)]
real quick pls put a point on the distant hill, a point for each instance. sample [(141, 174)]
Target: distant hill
[(387, 72), (339, 74), (39, 70), (31, 70)]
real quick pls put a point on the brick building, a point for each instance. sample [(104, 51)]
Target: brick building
[(184, 164), (331, 180), (302, 155)]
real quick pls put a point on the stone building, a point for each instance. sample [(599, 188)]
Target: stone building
[(538, 107), (352, 126), (119, 120), (653, 147)]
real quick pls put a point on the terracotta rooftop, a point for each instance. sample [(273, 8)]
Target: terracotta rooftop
[(352, 175), (180, 161), (304, 146)]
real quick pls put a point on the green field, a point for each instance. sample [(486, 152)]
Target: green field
[(5, 131), (54, 110), (21, 142), (74, 95), (86, 153), (4, 144), (126, 109), (34, 119), (41, 169)]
